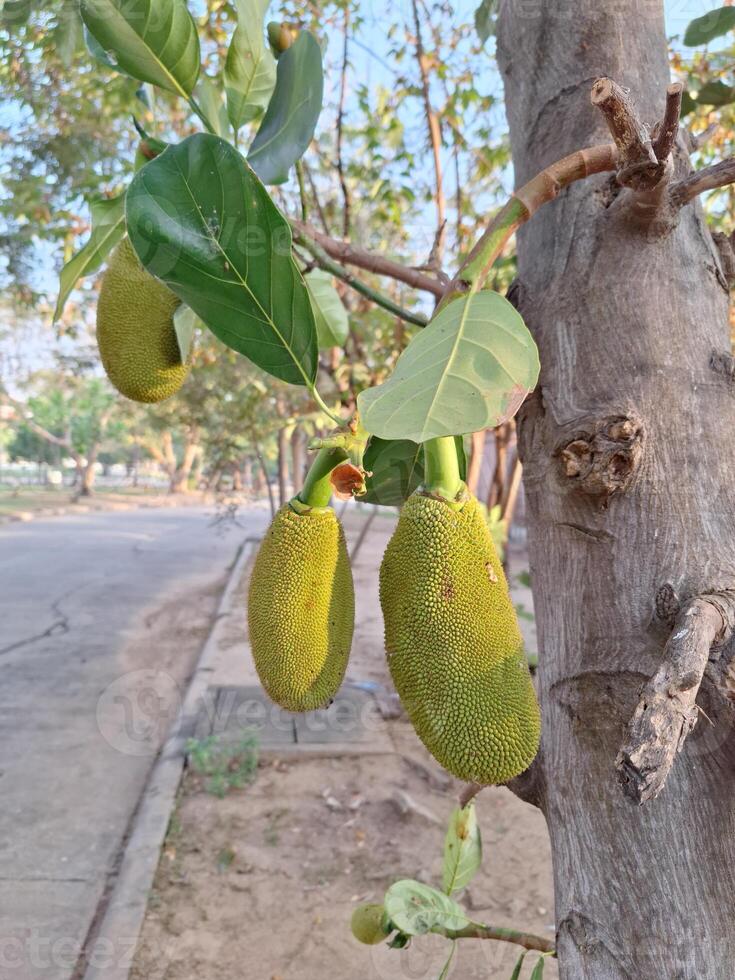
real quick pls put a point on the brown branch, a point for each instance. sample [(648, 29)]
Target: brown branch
[(435, 139), (667, 710), (665, 139), (697, 140), (349, 254), (340, 123), (708, 179)]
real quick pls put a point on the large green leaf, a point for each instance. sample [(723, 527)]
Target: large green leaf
[(153, 40), (15, 13), (201, 221), (462, 849), (469, 369), (716, 93), (415, 909), (211, 104), (293, 111), (515, 975), (706, 28), (397, 468), (332, 322), (538, 970), (68, 33), (250, 68), (108, 227)]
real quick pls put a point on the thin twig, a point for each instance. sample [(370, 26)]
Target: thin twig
[(324, 262), (346, 253), (708, 179), (435, 139), (346, 204), (315, 195), (476, 931)]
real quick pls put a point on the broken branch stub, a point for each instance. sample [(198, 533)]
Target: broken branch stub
[(667, 710)]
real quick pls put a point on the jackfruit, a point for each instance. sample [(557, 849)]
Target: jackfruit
[(369, 924), (301, 608), (453, 644), (135, 330)]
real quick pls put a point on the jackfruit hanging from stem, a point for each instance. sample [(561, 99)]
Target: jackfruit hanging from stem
[(454, 648), (301, 603), (135, 330)]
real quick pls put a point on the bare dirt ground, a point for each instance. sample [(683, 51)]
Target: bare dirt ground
[(261, 885)]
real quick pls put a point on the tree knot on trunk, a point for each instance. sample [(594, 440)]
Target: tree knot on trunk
[(724, 364), (667, 710), (604, 461)]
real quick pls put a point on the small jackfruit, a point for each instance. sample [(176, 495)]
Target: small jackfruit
[(369, 924), (453, 644), (301, 608), (135, 330)]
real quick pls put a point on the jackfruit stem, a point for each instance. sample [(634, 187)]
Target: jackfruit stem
[(317, 488), (441, 468)]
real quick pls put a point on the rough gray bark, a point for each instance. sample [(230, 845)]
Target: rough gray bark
[(628, 448)]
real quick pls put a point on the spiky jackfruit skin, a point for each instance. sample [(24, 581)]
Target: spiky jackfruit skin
[(301, 609), (135, 330), (454, 648), (368, 924)]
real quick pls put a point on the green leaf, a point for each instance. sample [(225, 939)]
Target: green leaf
[(152, 40), (293, 111), (16, 13), (716, 93), (397, 468), (332, 322), (704, 29), (201, 221), (485, 19), (185, 323), (445, 972), (108, 227), (69, 33), (212, 105), (415, 909), (518, 967), (469, 369), (462, 849), (687, 103), (96, 50), (250, 68), (538, 970)]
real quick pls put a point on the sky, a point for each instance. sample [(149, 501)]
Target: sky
[(36, 348)]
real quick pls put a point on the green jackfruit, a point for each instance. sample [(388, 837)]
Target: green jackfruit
[(301, 608), (135, 330), (454, 648), (369, 924)]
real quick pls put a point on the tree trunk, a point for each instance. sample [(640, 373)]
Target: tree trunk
[(86, 486), (180, 476), (626, 324)]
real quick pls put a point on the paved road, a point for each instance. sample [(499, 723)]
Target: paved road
[(89, 680)]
